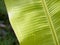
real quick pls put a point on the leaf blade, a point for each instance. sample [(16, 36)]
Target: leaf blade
[(30, 24)]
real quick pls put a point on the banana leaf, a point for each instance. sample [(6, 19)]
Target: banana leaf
[(35, 22)]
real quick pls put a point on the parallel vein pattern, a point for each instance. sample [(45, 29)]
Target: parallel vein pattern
[(54, 35), (35, 22)]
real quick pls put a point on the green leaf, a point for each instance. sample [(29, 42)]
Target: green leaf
[(35, 22), (2, 8)]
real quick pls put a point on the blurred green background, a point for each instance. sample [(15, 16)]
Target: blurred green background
[(7, 35)]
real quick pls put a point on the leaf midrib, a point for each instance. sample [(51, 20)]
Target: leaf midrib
[(54, 35)]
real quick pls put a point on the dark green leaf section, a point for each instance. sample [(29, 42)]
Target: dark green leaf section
[(7, 36), (2, 7)]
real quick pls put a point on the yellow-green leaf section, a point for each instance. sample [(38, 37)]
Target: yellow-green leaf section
[(35, 22)]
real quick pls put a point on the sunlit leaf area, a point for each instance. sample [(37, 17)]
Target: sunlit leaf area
[(34, 22)]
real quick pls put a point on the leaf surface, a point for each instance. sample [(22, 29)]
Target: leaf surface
[(35, 22)]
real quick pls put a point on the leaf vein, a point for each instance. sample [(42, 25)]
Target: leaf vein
[(52, 28)]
